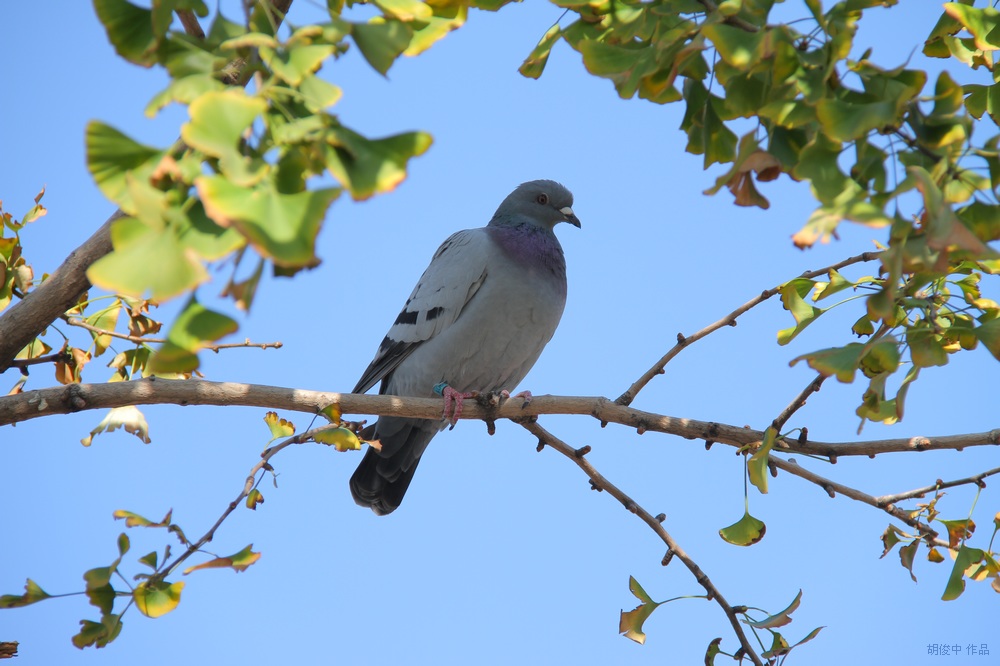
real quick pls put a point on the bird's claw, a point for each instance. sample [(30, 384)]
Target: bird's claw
[(452, 402), (524, 395)]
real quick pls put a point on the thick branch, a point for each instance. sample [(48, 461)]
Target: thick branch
[(598, 482), (80, 397), (27, 318)]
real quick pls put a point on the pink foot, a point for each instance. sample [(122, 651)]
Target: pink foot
[(526, 396), (453, 403)]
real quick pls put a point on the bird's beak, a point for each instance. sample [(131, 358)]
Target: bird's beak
[(570, 216)]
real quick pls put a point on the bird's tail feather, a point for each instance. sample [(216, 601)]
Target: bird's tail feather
[(382, 477)]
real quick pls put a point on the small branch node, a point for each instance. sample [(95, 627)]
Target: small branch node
[(582, 451), (833, 458), (804, 435), (680, 340), (541, 445), (669, 555), (829, 490), (708, 444), (491, 427), (660, 517), (595, 486)]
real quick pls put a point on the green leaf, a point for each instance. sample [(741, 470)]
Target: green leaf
[(839, 361), (405, 10), (792, 293), (157, 598), (195, 328), (381, 41), (146, 260), (296, 62), (98, 634), (967, 557), (445, 19), (135, 520), (757, 464), (282, 227), (745, 532), (958, 530), (150, 560), (218, 122), (367, 167), (631, 622), (32, 594), (989, 335), (111, 156), (926, 347), (99, 589), (206, 238), (837, 283), (123, 544), (907, 554), (534, 64), (890, 538), (341, 439), (129, 29), (254, 497), (738, 48), (778, 619), (279, 427), (982, 23), (238, 562), (184, 90)]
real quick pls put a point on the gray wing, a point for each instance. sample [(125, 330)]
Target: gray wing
[(455, 274)]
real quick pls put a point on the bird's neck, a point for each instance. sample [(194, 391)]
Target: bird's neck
[(530, 245)]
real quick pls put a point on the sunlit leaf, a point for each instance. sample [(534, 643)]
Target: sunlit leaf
[(278, 426), (111, 156), (631, 622), (907, 554), (745, 532), (238, 562), (778, 619), (965, 558), (195, 328), (381, 41), (32, 594), (341, 439), (282, 227), (128, 417), (366, 167), (958, 530), (157, 598), (757, 463)]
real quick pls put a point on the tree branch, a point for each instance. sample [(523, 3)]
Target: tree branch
[(598, 482), (976, 479), (628, 396), (79, 397)]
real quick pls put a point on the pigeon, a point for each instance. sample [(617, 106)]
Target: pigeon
[(477, 321)]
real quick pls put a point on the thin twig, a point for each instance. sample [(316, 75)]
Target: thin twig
[(249, 484), (798, 402), (599, 482), (190, 23), (138, 339), (832, 488), (48, 358), (976, 479), (683, 341)]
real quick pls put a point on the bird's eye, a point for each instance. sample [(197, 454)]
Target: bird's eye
[(542, 199)]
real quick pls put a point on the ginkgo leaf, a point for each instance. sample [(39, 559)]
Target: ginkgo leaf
[(157, 598), (278, 426), (744, 532), (32, 594), (238, 562), (630, 623), (341, 439), (778, 619), (128, 417)]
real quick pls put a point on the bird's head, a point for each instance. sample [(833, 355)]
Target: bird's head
[(545, 203)]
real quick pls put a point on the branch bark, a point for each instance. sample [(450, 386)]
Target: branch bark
[(80, 397)]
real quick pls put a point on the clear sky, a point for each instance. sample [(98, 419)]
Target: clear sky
[(499, 554)]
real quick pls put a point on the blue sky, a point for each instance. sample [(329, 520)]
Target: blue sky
[(500, 554)]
